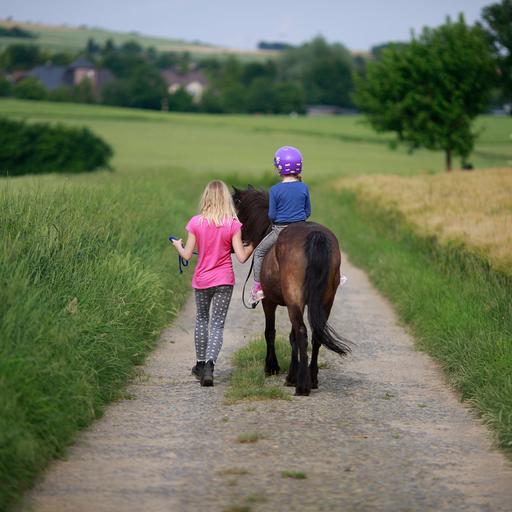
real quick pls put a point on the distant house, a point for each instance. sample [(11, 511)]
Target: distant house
[(329, 110), (194, 82), (53, 77)]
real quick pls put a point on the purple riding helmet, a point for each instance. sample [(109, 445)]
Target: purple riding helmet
[(288, 160)]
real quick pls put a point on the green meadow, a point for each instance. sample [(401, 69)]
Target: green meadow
[(231, 144), (88, 279)]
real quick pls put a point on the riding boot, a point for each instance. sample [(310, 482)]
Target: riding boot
[(197, 370), (207, 375)]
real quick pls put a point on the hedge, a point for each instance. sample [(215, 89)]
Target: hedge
[(38, 148)]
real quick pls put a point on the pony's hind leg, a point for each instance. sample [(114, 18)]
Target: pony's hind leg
[(271, 363), (291, 378), (316, 341), (300, 333)]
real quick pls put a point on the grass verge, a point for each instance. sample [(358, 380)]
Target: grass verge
[(248, 381), (460, 309), (87, 281)]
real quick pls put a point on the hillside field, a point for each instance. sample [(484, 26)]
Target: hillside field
[(64, 38)]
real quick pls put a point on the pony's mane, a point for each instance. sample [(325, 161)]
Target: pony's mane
[(252, 209)]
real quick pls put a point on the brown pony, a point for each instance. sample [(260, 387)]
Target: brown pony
[(302, 269)]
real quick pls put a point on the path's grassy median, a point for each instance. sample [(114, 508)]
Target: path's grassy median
[(87, 281), (248, 380), (459, 307)]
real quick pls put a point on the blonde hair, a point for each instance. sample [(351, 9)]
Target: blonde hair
[(216, 204)]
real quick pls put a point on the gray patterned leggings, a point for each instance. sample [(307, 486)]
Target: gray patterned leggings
[(263, 247), (208, 334)]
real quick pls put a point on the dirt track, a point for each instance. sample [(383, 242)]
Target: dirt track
[(382, 432)]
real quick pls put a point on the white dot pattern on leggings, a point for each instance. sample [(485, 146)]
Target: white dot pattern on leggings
[(208, 333)]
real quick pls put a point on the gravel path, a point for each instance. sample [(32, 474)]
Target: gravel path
[(383, 432)]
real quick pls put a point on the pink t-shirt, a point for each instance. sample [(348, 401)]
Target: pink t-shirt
[(214, 266)]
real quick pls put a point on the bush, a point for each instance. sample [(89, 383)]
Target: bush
[(5, 87), (60, 94), (15, 32), (21, 56), (83, 92), (40, 148), (143, 88), (30, 89), (181, 101)]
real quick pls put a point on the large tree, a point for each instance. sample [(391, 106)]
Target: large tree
[(429, 91), (498, 24)]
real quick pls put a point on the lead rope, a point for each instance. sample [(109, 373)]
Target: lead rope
[(182, 262)]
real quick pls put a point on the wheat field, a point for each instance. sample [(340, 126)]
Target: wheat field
[(471, 208)]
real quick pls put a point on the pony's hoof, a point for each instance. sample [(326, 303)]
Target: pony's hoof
[(301, 392), (271, 371), (314, 385), (289, 383)]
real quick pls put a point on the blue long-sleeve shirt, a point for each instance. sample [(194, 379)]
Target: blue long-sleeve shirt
[(289, 202)]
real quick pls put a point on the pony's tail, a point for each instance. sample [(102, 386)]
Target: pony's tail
[(318, 255)]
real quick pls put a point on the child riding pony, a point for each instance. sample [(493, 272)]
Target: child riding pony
[(301, 269)]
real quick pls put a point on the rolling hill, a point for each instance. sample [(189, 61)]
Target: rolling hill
[(68, 38)]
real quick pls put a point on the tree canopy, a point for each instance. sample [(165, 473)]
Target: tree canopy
[(498, 24), (429, 91)]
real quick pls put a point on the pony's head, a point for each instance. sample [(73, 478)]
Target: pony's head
[(251, 206)]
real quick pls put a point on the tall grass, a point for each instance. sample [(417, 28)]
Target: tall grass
[(459, 307), (87, 282)]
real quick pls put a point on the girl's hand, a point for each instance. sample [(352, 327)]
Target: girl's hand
[(242, 252), (187, 250), (177, 243)]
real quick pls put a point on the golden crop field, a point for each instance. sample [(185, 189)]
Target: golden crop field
[(473, 208)]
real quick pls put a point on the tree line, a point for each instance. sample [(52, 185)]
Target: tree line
[(314, 73)]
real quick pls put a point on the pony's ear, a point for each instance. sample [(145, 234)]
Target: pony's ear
[(250, 187)]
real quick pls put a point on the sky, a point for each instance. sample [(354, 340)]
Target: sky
[(358, 24)]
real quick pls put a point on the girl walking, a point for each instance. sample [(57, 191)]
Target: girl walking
[(214, 232)]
